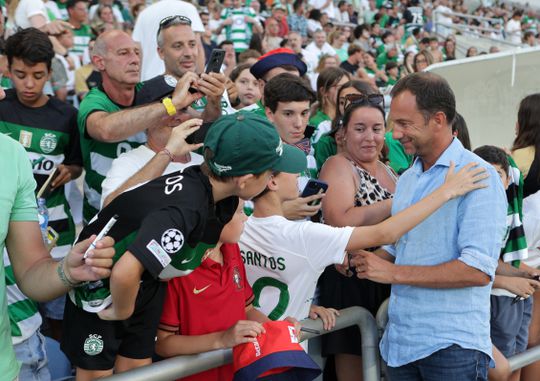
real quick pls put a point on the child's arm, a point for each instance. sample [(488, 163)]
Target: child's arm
[(523, 287), (124, 286), (508, 270), (327, 315), (255, 315), (170, 344), (389, 231)]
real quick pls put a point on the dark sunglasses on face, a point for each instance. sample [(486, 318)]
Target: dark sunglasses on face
[(177, 20), (360, 99)]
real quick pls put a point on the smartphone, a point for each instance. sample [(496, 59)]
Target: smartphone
[(216, 61), (314, 187), (199, 135), (46, 188)]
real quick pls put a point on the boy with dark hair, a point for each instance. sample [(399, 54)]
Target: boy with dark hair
[(47, 128), (164, 228), (288, 100), (515, 282)]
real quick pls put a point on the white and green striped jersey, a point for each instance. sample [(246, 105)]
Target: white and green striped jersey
[(50, 136), (240, 31), (24, 317), (98, 156), (81, 39)]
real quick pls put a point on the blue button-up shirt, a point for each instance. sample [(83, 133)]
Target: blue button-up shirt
[(470, 229)]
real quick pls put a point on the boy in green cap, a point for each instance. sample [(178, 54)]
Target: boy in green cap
[(164, 227)]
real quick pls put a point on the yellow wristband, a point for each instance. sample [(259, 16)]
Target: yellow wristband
[(167, 102)]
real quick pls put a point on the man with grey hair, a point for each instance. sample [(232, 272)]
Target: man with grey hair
[(107, 124), (319, 47)]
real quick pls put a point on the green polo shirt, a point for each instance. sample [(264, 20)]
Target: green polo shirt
[(17, 203)]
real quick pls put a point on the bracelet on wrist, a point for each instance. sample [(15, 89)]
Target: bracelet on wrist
[(165, 151), (64, 277), (169, 106)]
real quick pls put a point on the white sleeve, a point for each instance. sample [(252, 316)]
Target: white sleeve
[(325, 245), (121, 170), (35, 7), (531, 220)]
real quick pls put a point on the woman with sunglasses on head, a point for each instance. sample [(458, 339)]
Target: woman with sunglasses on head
[(330, 144), (360, 188)]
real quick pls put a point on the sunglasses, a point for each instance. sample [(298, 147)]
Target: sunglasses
[(173, 20), (362, 99)]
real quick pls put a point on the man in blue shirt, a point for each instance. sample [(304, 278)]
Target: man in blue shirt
[(441, 271)]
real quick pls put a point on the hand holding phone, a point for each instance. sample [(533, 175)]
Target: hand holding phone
[(314, 187)]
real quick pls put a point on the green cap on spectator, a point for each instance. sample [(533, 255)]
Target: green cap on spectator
[(245, 143)]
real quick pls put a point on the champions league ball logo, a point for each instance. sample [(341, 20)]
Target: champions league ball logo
[(172, 240)]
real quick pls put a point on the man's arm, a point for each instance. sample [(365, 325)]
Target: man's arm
[(176, 145), (453, 274), (477, 244), (33, 266), (390, 230), (117, 126)]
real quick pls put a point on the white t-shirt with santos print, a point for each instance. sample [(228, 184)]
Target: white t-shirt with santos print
[(284, 260)]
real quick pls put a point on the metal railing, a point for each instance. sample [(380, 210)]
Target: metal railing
[(465, 28), (182, 366)]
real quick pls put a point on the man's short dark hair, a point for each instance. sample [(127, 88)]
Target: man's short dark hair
[(432, 92), (494, 155), (353, 49), (71, 3), (30, 45), (286, 87), (226, 42)]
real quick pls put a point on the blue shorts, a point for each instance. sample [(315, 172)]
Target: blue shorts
[(53, 309), (510, 324)]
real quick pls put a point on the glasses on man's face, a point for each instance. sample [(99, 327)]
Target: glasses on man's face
[(360, 99), (173, 20)]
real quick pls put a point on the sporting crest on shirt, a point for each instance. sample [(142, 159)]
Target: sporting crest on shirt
[(48, 142), (237, 278), (93, 345), (25, 138), (172, 240)]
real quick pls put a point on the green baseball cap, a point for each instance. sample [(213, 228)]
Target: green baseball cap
[(245, 143)]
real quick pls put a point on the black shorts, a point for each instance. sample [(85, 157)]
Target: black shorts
[(92, 344)]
